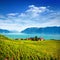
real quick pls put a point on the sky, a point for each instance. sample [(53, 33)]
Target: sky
[(17, 15)]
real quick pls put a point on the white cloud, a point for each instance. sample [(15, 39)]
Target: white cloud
[(51, 23), (10, 26), (22, 15), (33, 17), (35, 11), (12, 14)]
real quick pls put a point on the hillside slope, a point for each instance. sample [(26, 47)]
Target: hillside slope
[(29, 50)]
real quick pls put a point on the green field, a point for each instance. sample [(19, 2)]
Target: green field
[(29, 50)]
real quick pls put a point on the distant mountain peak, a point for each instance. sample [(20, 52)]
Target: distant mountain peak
[(45, 30), (4, 31)]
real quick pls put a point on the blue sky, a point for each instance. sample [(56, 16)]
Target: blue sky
[(21, 14)]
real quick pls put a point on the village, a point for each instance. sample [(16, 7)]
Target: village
[(32, 39)]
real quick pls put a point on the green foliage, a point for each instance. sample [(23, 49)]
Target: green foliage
[(29, 50), (36, 38)]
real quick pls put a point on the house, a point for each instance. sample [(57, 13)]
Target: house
[(38, 39), (41, 39), (30, 39)]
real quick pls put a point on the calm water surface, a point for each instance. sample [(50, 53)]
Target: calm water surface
[(23, 35)]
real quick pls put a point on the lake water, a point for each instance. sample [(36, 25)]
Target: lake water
[(23, 35)]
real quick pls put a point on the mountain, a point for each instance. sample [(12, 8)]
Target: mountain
[(7, 31), (4, 31), (46, 30)]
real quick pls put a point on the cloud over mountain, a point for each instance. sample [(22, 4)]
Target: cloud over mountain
[(33, 16)]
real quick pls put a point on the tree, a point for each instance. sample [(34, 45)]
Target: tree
[(36, 38)]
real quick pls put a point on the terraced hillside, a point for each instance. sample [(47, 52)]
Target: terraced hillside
[(29, 50)]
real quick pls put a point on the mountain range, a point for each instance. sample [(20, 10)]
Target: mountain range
[(34, 30), (45, 30), (4, 31), (7, 31)]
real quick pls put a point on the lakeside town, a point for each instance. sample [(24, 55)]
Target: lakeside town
[(32, 39)]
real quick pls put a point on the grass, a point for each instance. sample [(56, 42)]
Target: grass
[(29, 50)]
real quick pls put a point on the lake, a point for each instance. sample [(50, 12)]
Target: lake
[(23, 35)]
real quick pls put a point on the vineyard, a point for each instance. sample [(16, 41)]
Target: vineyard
[(29, 50)]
